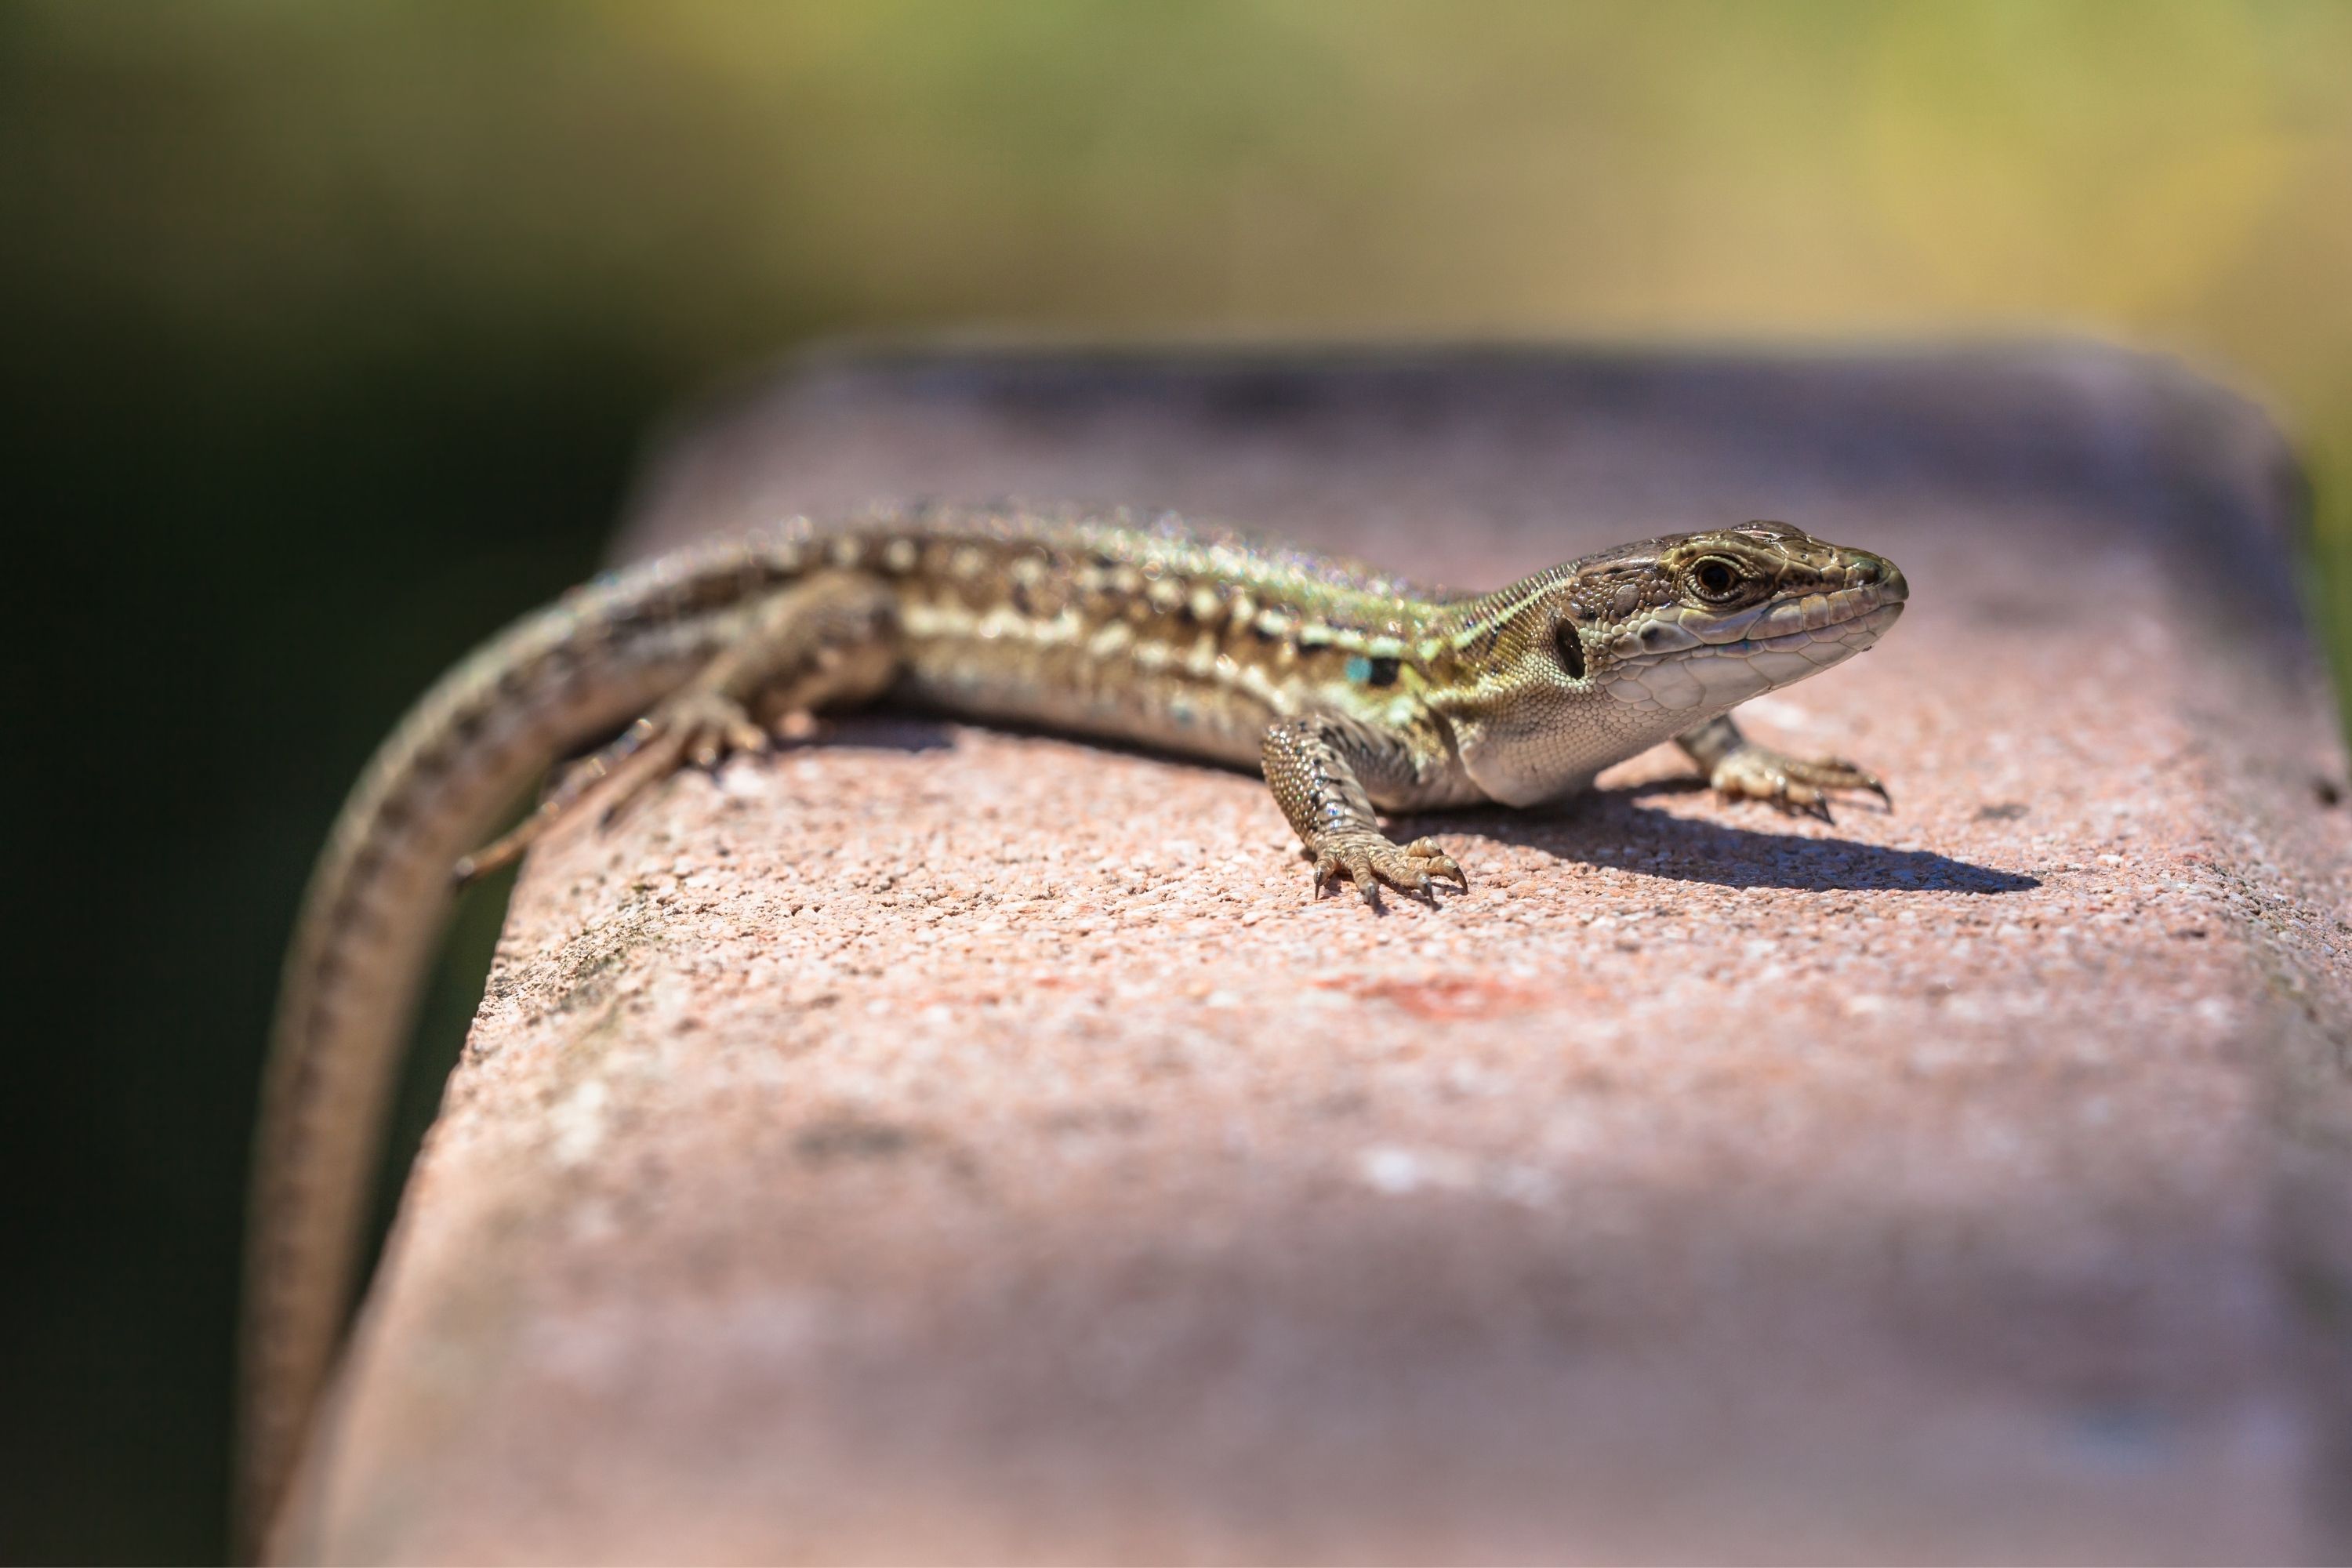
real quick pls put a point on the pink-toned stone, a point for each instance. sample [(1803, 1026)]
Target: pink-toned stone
[(937, 1143)]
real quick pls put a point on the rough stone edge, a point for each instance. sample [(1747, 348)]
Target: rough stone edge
[(2207, 465), (2266, 772)]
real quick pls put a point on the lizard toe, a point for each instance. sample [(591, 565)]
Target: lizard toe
[(1433, 861), (1798, 786), (1371, 860)]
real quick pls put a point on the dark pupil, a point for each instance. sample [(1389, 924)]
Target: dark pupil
[(1714, 577)]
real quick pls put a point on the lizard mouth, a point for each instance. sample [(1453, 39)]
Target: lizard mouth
[(1686, 663), (1790, 624), (1836, 617)]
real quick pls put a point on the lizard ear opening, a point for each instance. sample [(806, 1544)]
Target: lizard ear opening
[(1572, 649)]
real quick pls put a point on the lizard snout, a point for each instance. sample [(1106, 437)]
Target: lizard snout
[(1864, 570)]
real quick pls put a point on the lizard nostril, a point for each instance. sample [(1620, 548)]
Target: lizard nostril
[(1865, 569)]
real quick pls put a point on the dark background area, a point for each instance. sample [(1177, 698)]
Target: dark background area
[(332, 338), (231, 590)]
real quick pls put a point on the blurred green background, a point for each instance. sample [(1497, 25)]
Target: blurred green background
[(331, 334)]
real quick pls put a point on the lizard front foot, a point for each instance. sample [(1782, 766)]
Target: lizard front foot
[(1800, 785), (1371, 858)]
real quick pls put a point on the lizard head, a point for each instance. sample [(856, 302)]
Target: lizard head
[(1572, 670)]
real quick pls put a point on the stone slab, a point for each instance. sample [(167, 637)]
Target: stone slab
[(946, 1145)]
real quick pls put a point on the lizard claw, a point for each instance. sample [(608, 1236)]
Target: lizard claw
[(1436, 862), (1371, 858), (1799, 785)]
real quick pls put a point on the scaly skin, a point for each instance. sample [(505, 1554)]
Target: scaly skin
[(1355, 692)]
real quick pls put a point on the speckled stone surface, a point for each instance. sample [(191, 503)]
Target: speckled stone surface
[(936, 1143)]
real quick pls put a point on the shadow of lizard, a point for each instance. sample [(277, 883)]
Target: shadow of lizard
[(1655, 843)]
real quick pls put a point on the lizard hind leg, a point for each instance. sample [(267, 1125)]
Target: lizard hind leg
[(830, 638)]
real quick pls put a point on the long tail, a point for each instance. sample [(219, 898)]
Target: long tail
[(370, 927)]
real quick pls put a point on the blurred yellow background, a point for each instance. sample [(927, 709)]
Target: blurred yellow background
[(332, 330), (694, 185)]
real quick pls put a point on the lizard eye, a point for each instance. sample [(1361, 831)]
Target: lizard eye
[(1715, 580)]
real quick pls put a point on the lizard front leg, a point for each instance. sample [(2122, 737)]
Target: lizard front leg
[(829, 638), (1739, 769), (1316, 766)]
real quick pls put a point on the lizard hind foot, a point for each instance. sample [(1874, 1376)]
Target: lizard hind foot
[(1800, 785), (1371, 858), (700, 728)]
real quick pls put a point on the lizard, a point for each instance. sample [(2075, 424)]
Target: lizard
[(1356, 693)]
